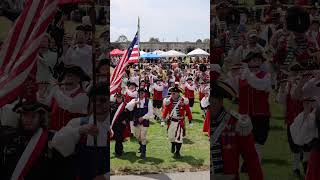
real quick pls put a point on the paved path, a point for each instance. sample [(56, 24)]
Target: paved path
[(204, 175)]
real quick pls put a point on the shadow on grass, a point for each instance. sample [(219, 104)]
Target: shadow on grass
[(191, 160), (198, 120), (150, 160), (196, 112), (187, 141), (279, 162)]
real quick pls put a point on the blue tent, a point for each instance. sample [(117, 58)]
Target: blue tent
[(149, 56)]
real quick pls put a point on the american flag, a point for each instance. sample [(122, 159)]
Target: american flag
[(131, 54), (18, 54)]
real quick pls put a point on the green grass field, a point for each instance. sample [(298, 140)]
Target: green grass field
[(277, 160), (195, 151)]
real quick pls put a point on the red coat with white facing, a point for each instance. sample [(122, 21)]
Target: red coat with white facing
[(157, 92), (189, 90), (254, 91), (239, 141), (130, 95), (184, 108)]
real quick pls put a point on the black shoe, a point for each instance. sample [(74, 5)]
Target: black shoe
[(143, 151), (173, 147), (118, 154), (244, 168), (297, 173), (177, 155)]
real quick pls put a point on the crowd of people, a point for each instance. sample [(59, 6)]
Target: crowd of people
[(278, 54), (49, 131), (160, 92)]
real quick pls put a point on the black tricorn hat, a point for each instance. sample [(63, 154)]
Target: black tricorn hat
[(175, 89), (295, 67), (222, 90), (31, 107), (74, 70), (103, 62), (101, 89), (142, 90)]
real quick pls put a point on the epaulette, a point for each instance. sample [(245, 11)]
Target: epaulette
[(244, 125)]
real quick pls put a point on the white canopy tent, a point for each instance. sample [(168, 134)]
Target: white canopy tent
[(158, 52), (142, 52), (173, 53), (198, 52)]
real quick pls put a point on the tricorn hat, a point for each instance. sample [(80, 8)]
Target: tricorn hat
[(222, 90), (74, 70), (175, 89), (31, 107)]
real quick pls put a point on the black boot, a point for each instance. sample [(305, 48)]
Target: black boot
[(305, 167), (244, 168), (143, 151), (173, 147), (139, 150), (118, 149), (177, 154)]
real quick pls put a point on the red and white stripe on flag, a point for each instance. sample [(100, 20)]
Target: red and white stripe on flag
[(132, 53), (19, 52), (134, 58)]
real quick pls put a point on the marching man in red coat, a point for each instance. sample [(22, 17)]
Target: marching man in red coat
[(176, 107), (189, 88), (254, 88), (157, 91), (231, 137)]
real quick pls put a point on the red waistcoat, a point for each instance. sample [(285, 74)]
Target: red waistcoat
[(188, 93), (184, 109), (157, 95), (252, 101), (60, 117)]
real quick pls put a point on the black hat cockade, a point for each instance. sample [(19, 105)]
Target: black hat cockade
[(31, 107), (175, 89), (222, 90)]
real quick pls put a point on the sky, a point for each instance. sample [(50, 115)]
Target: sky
[(168, 20)]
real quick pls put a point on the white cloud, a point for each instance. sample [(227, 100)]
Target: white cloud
[(168, 19)]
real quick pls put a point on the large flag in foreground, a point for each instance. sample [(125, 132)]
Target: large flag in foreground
[(130, 55), (18, 55)]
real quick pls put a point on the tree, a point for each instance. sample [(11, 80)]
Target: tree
[(207, 40), (122, 38), (154, 40), (199, 41)]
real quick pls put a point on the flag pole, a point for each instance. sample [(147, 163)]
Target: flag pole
[(94, 82), (139, 63)]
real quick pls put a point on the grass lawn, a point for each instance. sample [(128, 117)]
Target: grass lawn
[(277, 160), (195, 151)]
